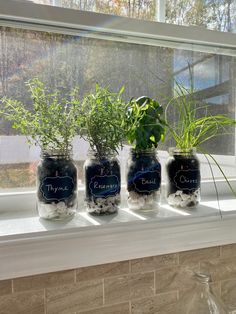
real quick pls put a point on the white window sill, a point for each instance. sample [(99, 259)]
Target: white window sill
[(29, 245)]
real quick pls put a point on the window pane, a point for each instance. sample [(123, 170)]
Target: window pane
[(64, 61), (217, 15)]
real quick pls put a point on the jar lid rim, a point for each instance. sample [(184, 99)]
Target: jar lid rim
[(149, 150), (56, 152), (176, 150), (109, 153)]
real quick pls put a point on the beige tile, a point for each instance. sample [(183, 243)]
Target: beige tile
[(185, 297), (153, 305), (173, 278), (174, 308), (122, 308), (228, 292), (65, 311), (5, 287), (123, 288), (44, 280), (220, 269), (102, 271), (30, 302), (75, 297), (216, 288), (228, 250), (154, 262), (195, 256)]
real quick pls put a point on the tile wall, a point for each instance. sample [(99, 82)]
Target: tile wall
[(151, 285)]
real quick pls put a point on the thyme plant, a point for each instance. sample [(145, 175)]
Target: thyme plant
[(101, 116), (145, 126), (51, 121)]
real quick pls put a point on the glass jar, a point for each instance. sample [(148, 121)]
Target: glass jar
[(56, 185), (203, 301), (143, 180), (102, 184), (183, 178)]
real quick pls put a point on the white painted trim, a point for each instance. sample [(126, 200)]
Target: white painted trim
[(33, 246), (86, 247)]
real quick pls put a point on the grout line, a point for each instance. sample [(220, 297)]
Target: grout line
[(220, 289), (177, 291), (45, 303), (178, 258), (154, 282), (129, 266), (75, 276), (12, 286), (103, 291), (221, 253)]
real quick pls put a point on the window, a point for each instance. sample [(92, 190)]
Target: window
[(145, 60)]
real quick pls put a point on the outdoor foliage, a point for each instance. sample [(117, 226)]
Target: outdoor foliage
[(213, 14)]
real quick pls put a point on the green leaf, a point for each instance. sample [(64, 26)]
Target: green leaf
[(144, 123)]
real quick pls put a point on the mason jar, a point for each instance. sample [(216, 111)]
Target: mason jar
[(56, 185), (143, 180), (102, 184), (183, 178), (202, 300)]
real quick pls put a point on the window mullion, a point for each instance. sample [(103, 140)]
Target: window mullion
[(160, 10)]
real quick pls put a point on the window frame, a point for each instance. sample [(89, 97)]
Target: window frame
[(91, 24), (38, 252)]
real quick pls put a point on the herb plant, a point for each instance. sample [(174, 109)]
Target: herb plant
[(145, 126), (190, 129), (101, 116), (52, 121)]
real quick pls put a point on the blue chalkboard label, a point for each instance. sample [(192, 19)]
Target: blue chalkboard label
[(188, 180), (57, 188), (104, 186), (147, 181)]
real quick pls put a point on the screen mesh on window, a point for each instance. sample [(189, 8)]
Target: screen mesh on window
[(65, 61)]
